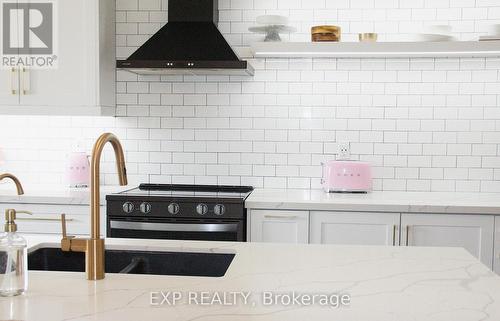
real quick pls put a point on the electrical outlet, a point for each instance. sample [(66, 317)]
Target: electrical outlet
[(343, 150)]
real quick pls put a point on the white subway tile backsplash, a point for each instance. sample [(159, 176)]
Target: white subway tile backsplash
[(426, 124)]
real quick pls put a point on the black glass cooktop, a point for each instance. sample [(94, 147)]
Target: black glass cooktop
[(175, 190)]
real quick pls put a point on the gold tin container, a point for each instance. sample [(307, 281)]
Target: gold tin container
[(368, 37), (325, 33)]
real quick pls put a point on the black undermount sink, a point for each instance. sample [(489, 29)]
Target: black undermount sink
[(135, 262)]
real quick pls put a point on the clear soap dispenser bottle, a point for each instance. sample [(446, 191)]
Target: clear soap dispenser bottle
[(13, 258)]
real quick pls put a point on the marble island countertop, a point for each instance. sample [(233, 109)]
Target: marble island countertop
[(403, 202), (383, 284)]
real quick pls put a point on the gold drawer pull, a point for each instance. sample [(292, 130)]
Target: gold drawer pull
[(42, 219), (281, 216)]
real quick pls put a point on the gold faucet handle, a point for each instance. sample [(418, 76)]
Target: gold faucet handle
[(66, 240), (63, 223)]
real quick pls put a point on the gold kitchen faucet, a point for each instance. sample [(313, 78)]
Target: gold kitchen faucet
[(16, 181), (94, 246)]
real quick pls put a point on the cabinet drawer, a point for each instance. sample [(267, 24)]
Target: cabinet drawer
[(279, 226)]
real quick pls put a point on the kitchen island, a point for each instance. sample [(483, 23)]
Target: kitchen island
[(381, 283)]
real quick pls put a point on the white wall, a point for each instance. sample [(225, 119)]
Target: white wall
[(426, 124)]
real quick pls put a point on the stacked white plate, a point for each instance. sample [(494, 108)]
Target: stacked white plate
[(434, 33), (493, 33)]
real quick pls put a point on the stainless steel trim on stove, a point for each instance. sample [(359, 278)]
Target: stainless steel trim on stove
[(174, 227)]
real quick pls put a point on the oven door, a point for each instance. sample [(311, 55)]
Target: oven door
[(177, 229)]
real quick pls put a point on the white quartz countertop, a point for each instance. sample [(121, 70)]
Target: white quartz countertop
[(407, 202), (384, 284), (290, 199), (39, 194)]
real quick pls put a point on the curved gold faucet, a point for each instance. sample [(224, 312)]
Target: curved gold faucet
[(16, 181), (95, 184), (94, 246)]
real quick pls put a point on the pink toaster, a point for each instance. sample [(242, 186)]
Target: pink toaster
[(346, 176), (78, 170)]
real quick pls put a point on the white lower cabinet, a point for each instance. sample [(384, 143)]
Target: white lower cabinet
[(279, 226), (496, 254), (352, 228), (475, 233)]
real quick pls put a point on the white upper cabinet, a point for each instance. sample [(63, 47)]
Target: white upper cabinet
[(279, 226), (472, 232), (83, 81), (351, 228)]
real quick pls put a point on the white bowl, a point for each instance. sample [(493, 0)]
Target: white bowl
[(438, 29)]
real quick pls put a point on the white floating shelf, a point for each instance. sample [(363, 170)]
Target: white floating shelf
[(376, 49)]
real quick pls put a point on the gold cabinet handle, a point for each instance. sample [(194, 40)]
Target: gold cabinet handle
[(44, 219), (281, 216), (14, 81), (25, 80), (394, 227), (407, 235)]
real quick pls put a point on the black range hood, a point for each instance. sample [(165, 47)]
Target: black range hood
[(189, 43)]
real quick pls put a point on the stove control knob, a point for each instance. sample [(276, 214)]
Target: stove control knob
[(202, 209), (128, 207), (173, 208), (145, 208), (219, 209)]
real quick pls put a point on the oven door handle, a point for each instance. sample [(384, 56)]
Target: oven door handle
[(174, 227)]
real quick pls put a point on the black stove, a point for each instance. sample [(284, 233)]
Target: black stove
[(184, 212)]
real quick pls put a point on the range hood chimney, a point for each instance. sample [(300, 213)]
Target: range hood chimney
[(189, 43)]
